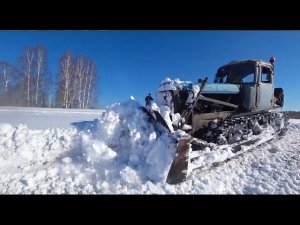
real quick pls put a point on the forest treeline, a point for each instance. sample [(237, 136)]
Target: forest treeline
[(29, 82)]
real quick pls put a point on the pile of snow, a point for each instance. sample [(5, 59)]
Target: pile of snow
[(121, 149), (137, 143)]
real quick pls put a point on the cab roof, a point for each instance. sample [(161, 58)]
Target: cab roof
[(250, 61), (221, 70)]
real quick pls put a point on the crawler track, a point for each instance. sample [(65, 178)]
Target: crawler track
[(225, 139)]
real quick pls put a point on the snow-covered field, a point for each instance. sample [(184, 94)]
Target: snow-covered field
[(56, 151), (42, 118)]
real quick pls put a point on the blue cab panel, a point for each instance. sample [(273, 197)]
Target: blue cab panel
[(221, 89)]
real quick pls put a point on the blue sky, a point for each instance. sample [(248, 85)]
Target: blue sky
[(135, 62)]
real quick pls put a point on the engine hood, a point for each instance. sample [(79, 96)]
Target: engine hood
[(221, 89)]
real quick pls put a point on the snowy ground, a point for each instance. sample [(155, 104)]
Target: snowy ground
[(42, 118), (74, 151)]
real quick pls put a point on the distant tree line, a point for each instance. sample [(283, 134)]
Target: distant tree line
[(30, 83)]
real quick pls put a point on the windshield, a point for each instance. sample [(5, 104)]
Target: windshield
[(236, 73)]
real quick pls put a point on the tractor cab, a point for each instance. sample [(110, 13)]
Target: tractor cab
[(247, 71), (255, 78)]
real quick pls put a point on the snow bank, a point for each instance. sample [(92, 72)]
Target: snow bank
[(20, 143), (121, 150), (43, 118), (137, 143)]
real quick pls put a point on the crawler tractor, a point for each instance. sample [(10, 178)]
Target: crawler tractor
[(237, 112)]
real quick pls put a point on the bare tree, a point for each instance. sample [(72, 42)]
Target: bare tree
[(90, 96), (85, 89), (7, 74), (26, 69), (85, 82), (41, 70), (65, 72), (32, 69), (6, 80), (77, 79), (48, 84), (80, 81)]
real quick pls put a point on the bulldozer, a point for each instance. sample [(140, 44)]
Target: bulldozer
[(240, 110)]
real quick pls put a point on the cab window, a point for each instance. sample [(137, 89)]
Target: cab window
[(266, 75)]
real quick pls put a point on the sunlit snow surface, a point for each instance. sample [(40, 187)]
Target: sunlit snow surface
[(120, 152)]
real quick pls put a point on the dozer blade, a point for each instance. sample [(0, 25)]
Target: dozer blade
[(156, 118), (179, 167), (161, 120)]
